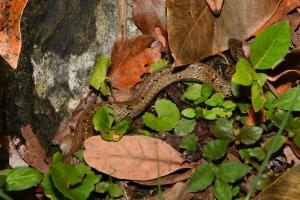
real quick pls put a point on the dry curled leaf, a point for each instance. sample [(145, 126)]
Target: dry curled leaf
[(195, 33), (286, 187), (133, 157), (148, 14), (10, 33), (35, 155)]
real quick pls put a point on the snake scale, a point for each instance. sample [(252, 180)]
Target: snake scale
[(143, 95)]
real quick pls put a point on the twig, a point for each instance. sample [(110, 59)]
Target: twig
[(122, 17)]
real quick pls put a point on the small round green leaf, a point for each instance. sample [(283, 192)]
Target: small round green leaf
[(250, 134), (222, 190), (115, 190), (202, 177), (189, 142), (223, 129), (230, 172), (215, 149), (188, 113), (185, 127)]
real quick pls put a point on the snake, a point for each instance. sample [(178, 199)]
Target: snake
[(143, 96)]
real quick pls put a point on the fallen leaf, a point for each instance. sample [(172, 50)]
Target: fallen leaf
[(15, 159), (290, 156), (35, 154), (295, 149), (149, 14), (281, 13), (177, 191), (195, 33), (133, 157), (130, 60), (287, 186), (10, 34), (254, 118), (275, 78), (215, 6), (281, 89)]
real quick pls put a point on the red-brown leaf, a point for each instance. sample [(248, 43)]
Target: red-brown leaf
[(133, 157), (10, 34), (195, 33), (148, 14)]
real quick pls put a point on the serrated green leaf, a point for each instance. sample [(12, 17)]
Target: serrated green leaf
[(185, 127), (222, 190), (168, 116), (250, 134), (286, 99), (230, 172), (215, 149), (278, 141), (188, 113), (97, 80), (189, 142), (115, 190), (21, 178), (270, 46), (244, 73), (223, 129), (257, 97), (202, 177)]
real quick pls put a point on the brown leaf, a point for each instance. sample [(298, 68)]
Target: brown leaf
[(286, 187), (281, 13), (148, 14), (215, 5), (133, 157), (281, 89), (290, 155), (195, 33), (35, 155), (295, 149), (254, 118), (10, 34), (130, 60)]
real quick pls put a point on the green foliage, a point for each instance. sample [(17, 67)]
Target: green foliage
[(21, 178), (247, 154), (257, 97), (216, 99), (168, 116), (185, 126), (97, 80), (103, 122), (189, 142), (250, 134), (286, 99), (193, 92), (158, 65), (244, 73), (115, 190), (230, 172), (215, 149), (189, 113), (202, 177), (223, 129), (270, 46), (277, 141), (222, 190)]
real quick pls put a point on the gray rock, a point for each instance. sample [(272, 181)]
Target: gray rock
[(61, 41)]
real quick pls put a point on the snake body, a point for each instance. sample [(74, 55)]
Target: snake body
[(145, 93)]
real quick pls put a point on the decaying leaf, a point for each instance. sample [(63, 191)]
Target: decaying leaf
[(254, 118), (215, 5), (133, 157), (290, 155), (195, 33), (287, 186), (148, 14), (10, 31), (35, 155)]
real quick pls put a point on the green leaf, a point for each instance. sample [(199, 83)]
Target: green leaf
[(223, 129), (168, 116), (121, 127), (103, 119), (286, 99), (215, 149), (256, 152), (261, 79), (21, 178), (4, 196), (202, 177), (102, 187), (79, 154), (158, 65), (185, 126), (97, 80), (193, 92), (270, 100), (243, 107), (270, 46), (250, 134), (199, 112), (188, 113), (206, 90), (115, 190), (278, 141), (257, 97), (216, 99), (57, 157), (222, 190), (297, 140), (49, 188), (235, 191), (209, 114), (277, 118), (244, 73), (2, 180), (229, 105), (230, 172), (189, 142)]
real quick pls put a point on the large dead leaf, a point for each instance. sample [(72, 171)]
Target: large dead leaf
[(148, 14), (195, 33), (286, 187), (130, 60), (35, 154), (133, 157), (10, 34)]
